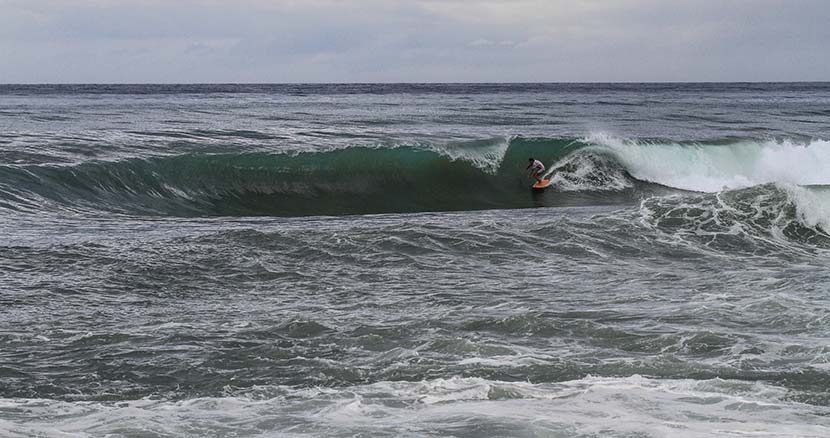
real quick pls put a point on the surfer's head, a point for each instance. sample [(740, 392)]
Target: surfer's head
[(530, 160)]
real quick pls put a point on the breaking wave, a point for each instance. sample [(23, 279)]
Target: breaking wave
[(713, 167), (787, 181)]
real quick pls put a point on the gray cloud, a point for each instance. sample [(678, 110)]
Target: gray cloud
[(417, 40)]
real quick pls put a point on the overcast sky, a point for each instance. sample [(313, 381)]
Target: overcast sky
[(137, 41)]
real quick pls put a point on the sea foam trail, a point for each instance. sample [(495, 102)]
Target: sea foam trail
[(586, 407), (716, 167)]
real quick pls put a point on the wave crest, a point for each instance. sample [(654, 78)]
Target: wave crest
[(485, 174), (478, 175)]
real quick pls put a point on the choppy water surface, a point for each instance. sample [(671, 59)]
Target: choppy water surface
[(368, 260)]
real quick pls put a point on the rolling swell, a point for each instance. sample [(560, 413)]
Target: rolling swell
[(345, 181), (782, 182)]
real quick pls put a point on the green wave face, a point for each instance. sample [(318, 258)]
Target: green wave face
[(355, 180)]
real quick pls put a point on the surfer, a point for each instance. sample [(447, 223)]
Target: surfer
[(535, 169)]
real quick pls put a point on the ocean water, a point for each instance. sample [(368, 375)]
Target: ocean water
[(369, 260)]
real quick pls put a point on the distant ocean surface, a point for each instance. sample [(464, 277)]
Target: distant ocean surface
[(369, 260)]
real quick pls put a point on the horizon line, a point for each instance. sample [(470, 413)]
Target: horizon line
[(414, 83)]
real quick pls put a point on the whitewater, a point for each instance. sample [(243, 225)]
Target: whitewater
[(369, 260)]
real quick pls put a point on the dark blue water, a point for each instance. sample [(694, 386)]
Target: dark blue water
[(361, 259)]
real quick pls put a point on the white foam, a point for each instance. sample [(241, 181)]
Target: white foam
[(712, 168), (598, 406), (812, 205), (485, 155), (586, 174)]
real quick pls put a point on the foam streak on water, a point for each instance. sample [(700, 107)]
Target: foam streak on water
[(458, 406)]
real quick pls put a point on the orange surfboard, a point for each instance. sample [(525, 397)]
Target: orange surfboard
[(541, 185)]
